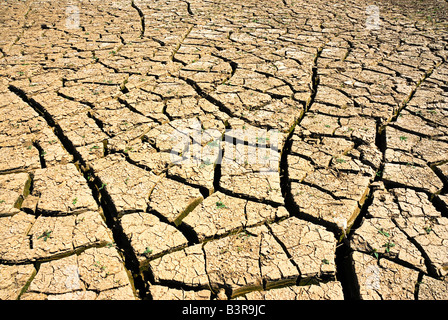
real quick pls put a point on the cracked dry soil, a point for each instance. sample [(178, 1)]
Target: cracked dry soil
[(92, 206)]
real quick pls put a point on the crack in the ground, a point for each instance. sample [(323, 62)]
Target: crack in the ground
[(142, 18), (261, 45), (411, 94), (109, 211)]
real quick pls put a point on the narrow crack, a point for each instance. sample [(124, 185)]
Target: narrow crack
[(188, 7), (42, 153), (285, 249), (406, 101), (396, 185), (98, 122), (213, 287), (429, 266), (142, 18), (233, 64), (285, 181), (181, 41), (206, 96), (415, 133), (417, 285), (84, 102)]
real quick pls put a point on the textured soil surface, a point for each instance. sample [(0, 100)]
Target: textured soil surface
[(208, 149)]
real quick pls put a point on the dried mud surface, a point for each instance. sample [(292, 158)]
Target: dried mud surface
[(94, 203)]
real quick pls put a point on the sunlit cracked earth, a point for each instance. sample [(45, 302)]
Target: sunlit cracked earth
[(348, 100)]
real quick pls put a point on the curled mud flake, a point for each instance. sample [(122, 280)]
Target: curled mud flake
[(48, 237), (388, 240), (221, 214), (15, 245), (323, 206), (217, 215)]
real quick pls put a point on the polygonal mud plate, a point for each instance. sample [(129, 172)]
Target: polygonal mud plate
[(28, 238), (96, 273), (174, 200), (150, 237), (127, 185), (383, 279), (220, 214), (241, 262), (62, 190)]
